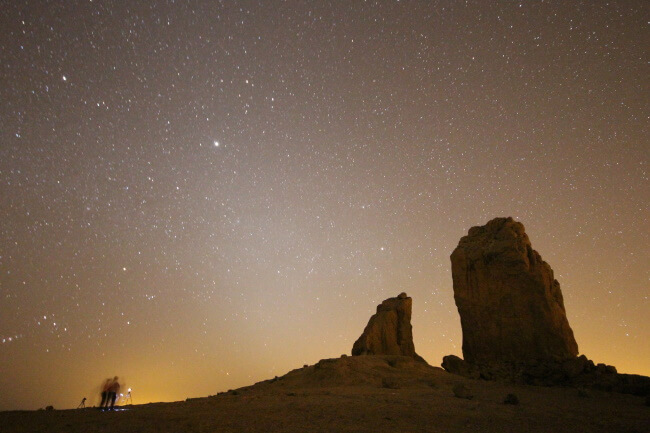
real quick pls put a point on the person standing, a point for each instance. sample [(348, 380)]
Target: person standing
[(105, 388), (113, 390)]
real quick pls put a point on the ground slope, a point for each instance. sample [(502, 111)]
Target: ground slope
[(361, 394)]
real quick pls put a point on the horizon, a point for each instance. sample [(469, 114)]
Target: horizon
[(199, 196)]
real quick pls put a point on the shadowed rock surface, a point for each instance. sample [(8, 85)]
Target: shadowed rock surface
[(510, 305), (389, 330), (577, 372)]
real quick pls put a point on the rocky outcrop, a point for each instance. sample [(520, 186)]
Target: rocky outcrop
[(456, 365), (510, 305), (389, 330), (513, 319), (577, 372)]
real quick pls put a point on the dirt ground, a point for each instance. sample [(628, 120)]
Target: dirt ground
[(361, 394)]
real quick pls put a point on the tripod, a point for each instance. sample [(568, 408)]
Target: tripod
[(82, 404)]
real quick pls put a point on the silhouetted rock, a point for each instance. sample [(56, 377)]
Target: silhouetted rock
[(455, 365), (575, 367), (389, 330), (579, 372), (605, 369), (511, 307)]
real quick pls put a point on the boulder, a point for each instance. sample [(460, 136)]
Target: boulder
[(389, 330), (510, 305), (455, 365), (577, 366)]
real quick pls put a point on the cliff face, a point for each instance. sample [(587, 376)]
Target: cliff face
[(510, 305), (389, 330)]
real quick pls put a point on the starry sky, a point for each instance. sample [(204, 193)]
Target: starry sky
[(199, 195)]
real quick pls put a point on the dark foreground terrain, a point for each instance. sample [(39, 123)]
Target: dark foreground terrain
[(362, 394)]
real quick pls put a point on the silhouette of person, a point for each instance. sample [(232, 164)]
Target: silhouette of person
[(82, 404), (113, 389), (105, 387)]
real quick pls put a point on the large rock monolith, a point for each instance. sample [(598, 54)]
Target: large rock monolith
[(510, 305), (389, 331)]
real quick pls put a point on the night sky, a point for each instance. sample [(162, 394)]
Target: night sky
[(199, 195)]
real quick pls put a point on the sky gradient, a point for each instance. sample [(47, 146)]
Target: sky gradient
[(199, 195)]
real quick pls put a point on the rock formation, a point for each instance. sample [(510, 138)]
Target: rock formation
[(513, 319), (389, 331), (456, 365), (511, 308)]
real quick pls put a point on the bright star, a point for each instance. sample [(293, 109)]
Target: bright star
[(216, 143)]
